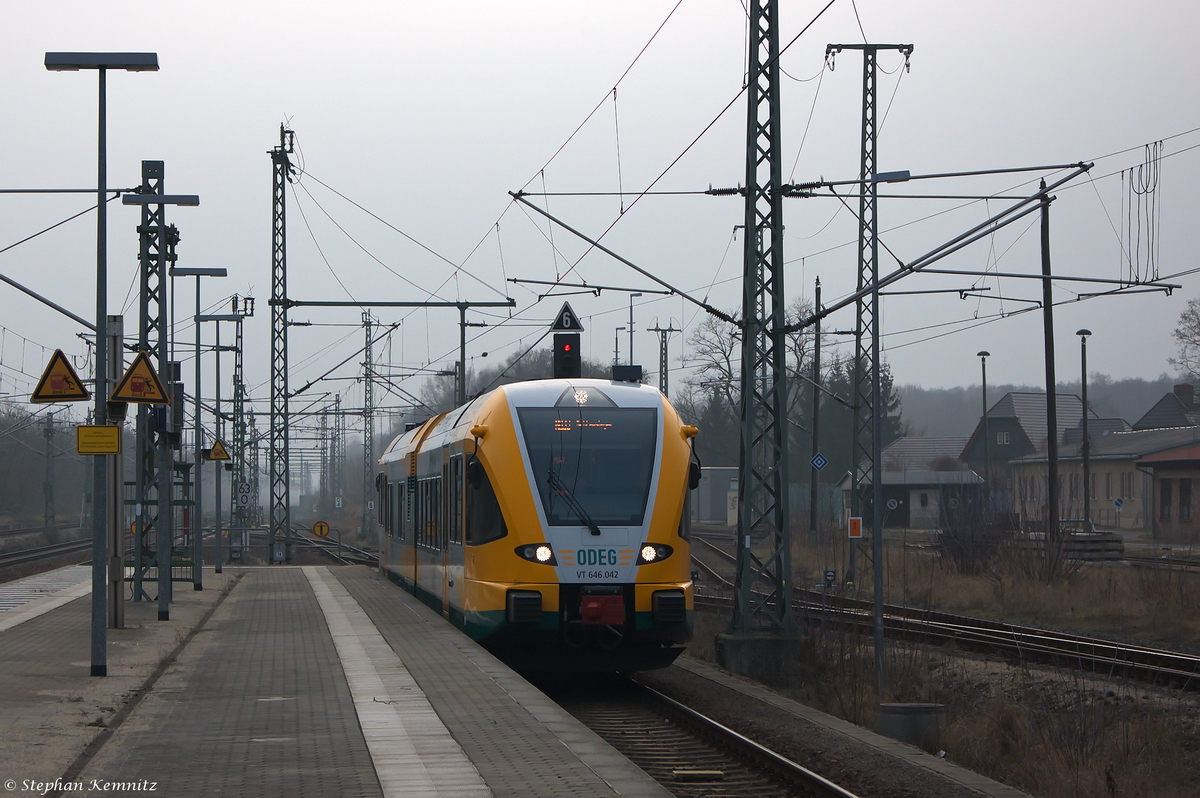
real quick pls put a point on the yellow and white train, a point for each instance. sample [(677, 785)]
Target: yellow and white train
[(549, 520)]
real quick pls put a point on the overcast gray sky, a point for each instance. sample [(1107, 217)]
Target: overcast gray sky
[(426, 115)]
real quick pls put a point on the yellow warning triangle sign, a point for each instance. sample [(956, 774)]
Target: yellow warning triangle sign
[(59, 382), (141, 384), (218, 451)]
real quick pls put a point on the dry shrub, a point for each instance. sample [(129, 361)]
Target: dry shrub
[(1155, 604), (1062, 736), (846, 674)]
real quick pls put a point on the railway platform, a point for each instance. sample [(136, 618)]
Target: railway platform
[(305, 681)]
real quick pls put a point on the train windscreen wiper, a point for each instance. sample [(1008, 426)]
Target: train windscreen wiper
[(558, 486)]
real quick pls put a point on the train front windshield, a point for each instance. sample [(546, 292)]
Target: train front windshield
[(592, 465)]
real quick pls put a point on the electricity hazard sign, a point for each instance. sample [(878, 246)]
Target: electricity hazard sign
[(141, 384), (218, 451), (59, 382)]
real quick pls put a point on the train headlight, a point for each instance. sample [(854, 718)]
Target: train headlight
[(537, 552), (653, 552)]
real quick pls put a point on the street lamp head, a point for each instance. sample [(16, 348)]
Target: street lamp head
[(199, 271), (1084, 333), (983, 353), (635, 293), (622, 327), (130, 62)]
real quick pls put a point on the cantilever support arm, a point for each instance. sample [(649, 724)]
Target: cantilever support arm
[(519, 196), (1004, 218)]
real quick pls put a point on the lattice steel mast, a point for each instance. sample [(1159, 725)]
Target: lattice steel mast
[(155, 457), (866, 354), (243, 307), (280, 522), (323, 443), (337, 454), (763, 591), (664, 334), (368, 482)]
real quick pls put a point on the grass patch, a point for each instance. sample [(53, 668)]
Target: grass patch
[(1053, 733)]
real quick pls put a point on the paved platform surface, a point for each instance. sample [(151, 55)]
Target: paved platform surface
[(305, 681)]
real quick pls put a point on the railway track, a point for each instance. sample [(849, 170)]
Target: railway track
[(33, 530), (1171, 562), (344, 553), (44, 552), (1012, 641), (686, 752)]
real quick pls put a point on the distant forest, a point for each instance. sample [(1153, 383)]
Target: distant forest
[(956, 411)]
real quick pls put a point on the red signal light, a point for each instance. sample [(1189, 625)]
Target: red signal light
[(566, 347)]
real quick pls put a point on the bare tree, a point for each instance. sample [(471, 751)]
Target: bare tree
[(716, 355), (1187, 338)]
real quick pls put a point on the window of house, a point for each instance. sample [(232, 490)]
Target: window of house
[(1002, 438), (924, 499), (1185, 500), (1074, 487), (1164, 500), (1108, 485)]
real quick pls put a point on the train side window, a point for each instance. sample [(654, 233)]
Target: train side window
[(419, 513), (429, 518), (385, 504), (430, 523), (397, 511), (394, 512), (485, 522), (381, 486), (437, 539)]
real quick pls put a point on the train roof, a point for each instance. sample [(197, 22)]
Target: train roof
[(532, 393), (547, 393)]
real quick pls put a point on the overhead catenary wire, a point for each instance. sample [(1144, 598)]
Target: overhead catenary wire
[(604, 99), (617, 127), (317, 244), (390, 226), (594, 243), (621, 191)]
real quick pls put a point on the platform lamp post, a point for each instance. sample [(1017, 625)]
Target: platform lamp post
[(987, 451), (1087, 471), (197, 527), (617, 345), (217, 425), (101, 62)]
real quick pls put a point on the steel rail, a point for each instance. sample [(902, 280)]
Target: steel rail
[(44, 552), (1086, 653), (790, 770)]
